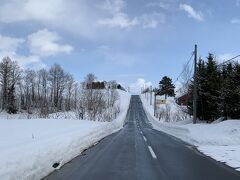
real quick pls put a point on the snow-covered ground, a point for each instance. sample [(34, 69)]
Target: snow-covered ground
[(221, 141), (30, 147)]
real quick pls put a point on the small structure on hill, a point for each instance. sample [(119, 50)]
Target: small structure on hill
[(96, 85), (104, 85), (182, 100)]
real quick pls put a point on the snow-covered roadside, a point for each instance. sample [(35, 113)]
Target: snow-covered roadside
[(29, 148), (221, 141)]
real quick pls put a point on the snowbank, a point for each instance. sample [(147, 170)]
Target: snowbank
[(220, 141), (29, 148), (22, 115)]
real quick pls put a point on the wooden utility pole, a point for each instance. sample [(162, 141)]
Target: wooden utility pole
[(155, 103), (195, 87), (147, 93), (150, 95)]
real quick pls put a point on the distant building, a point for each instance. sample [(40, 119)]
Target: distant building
[(182, 100), (103, 85), (96, 85)]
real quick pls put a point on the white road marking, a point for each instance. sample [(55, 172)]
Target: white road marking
[(145, 139), (152, 152)]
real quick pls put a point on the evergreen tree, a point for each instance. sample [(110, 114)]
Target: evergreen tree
[(226, 90), (201, 89), (208, 90), (234, 103), (166, 87), (212, 90)]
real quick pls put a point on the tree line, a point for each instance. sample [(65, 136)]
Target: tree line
[(218, 90), (49, 91)]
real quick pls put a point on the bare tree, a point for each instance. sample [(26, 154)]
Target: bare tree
[(43, 92), (113, 95), (69, 90), (9, 76), (55, 91), (185, 79), (30, 82), (57, 84), (89, 78)]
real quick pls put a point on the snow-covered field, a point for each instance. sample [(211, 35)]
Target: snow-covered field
[(30, 147), (221, 141)]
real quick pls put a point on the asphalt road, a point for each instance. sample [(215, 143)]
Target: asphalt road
[(139, 152)]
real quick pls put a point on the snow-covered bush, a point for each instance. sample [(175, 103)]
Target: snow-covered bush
[(171, 112)]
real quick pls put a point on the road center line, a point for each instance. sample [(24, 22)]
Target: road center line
[(152, 152), (145, 139)]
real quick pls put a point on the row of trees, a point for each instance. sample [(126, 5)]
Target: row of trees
[(54, 90), (218, 90)]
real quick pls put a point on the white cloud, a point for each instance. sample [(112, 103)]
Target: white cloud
[(235, 21), (113, 6), (73, 17), (197, 15), (80, 17), (160, 4), (152, 20), (117, 17), (123, 21), (119, 20), (46, 43), (137, 86), (9, 46), (24, 61), (32, 61), (21, 10), (41, 44), (9, 43)]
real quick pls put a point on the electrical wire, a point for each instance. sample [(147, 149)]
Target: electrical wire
[(184, 69), (226, 61)]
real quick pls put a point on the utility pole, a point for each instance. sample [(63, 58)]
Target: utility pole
[(150, 95), (195, 87), (147, 94), (155, 99)]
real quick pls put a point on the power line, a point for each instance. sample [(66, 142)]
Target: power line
[(187, 81), (184, 68), (226, 61)]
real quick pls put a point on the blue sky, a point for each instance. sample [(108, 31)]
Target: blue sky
[(132, 41)]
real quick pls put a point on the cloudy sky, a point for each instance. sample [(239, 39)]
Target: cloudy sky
[(132, 41)]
